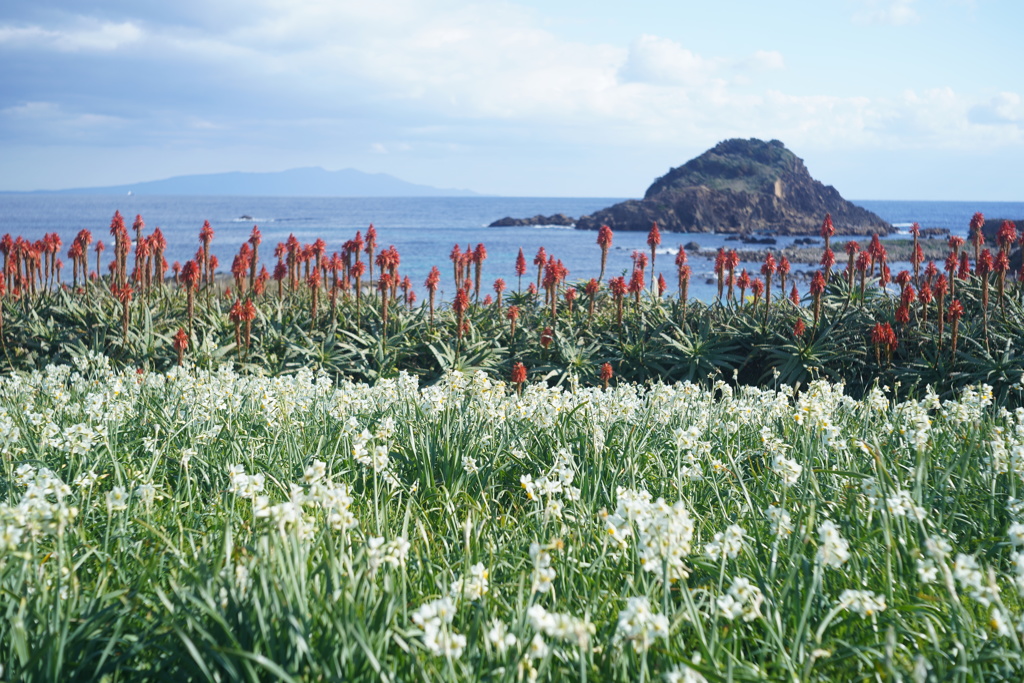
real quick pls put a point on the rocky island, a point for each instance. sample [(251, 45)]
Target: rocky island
[(739, 186), (559, 219)]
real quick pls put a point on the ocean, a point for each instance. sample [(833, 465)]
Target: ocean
[(423, 230)]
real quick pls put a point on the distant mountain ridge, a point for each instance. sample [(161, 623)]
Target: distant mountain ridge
[(295, 182)]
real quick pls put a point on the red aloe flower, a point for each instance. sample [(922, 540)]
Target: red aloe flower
[(732, 259), (639, 259), (720, 270), (1006, 235), (799, 328), (908, 295), (757, 289), (460, 306), (190, 276), (479, 256), (684, 291), (547, 336), (636, 283), (977, 234), (235, 316), (606, 374), (828, 259), (604, 240), (384, 287), (248, 315), (433, 280), (817, 289), (124, 295), (783, 270), (883, 337), (180, 344), (618, 287), (827, 228), (591, 290), (743, 282), (540, 260), (518, 376), (520, 268), (653, 241), (768, 269), (499, 287), (371, 246), (925, 297), (680, 262), (513, 316), (965, 267), (956, 311), (1001, 266)]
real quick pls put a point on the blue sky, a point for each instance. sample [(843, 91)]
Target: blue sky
[(885, 99)]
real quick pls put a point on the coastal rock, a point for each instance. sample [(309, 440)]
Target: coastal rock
[(691, 246), (992, 225), (991, 230), (555, 219), (739, 186)]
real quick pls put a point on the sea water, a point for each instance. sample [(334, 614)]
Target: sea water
[(424, 230)]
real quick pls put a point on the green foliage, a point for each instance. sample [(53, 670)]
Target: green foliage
[(733, 341)]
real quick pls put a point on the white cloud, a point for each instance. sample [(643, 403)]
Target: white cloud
[(52, 114), (767, 60), (661, 61), (86, 35), (1004, 108), (886, 12), (445, 74)]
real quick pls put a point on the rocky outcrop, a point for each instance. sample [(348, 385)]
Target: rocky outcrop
[(739, 186), (991, 229), (556, 219)]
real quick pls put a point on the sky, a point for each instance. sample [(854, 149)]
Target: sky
[(884, 99)]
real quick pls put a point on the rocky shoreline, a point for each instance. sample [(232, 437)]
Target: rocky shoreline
[(559, 219), (897, 249)]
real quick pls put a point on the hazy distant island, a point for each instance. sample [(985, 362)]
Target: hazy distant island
[(295, 182), (738, 186)]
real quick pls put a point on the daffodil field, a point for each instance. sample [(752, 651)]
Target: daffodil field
[(208, 525)]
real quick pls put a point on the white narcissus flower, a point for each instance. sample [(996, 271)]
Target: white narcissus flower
[(117, 499), (863, 602), (640, 625), (499, 637), (788, 469), (833, 549)]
